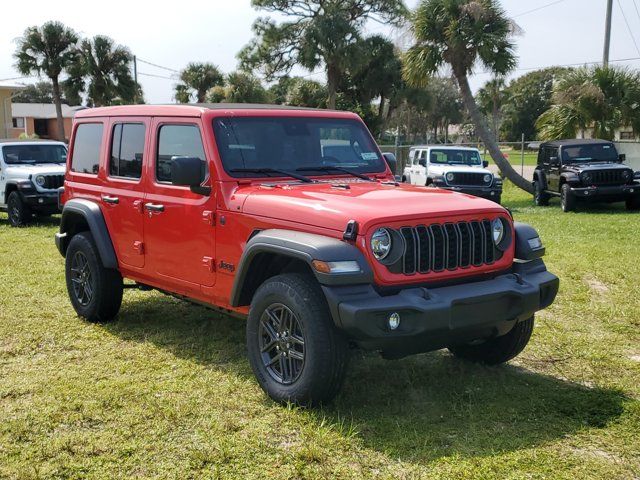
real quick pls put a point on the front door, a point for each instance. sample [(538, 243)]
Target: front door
[(553, 157), (123, 193), (178, 224)]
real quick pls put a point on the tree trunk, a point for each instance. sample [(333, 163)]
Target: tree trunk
[(489, 140), (58, 104), (332, 84), (202, 95), (381, 108)]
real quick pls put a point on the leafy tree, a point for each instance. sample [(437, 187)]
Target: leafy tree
[(39, 92), (48, 50), (197, 79), (462, 33), (315, 33), (526, 98), (445, 107), (491, 99), (240, 87), (103, 72), (307, 93)]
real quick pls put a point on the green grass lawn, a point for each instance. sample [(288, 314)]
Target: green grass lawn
[(166, 392)]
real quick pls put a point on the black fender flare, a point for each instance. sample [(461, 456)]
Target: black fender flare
[(570, 178), (305, 247), (92, 215), (527, 247), (541, 176)]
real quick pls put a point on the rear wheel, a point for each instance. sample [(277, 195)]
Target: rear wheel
[(540, 197), (95, 291), (497, 350), (19, 213), (296, 352), (498, 199), (567, 199), (633, 203)]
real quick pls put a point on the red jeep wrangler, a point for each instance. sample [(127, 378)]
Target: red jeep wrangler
[(291, 217)]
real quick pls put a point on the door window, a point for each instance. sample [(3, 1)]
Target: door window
[(127, 149), (86, 148), (176, 141)]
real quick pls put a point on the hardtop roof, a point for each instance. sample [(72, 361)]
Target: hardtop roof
[(575, 142)]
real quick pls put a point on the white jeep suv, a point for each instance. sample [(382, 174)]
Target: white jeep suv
[(31, 172), (460, 169)]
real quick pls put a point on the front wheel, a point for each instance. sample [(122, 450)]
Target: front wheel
[(296, 352), (633, 203), (540, 197), (499, 349), (19, 213), (95, 291), (567, 199)]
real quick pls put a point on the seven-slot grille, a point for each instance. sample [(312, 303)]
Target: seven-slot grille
[(52, 182), (449, 246), (607, 177), (468, 178)]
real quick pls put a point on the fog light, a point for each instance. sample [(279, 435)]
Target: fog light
[(394, 321)]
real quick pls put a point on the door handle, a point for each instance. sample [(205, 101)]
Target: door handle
[(152, 207), (111, 200)]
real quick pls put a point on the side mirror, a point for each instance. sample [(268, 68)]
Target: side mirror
[(189, 172), (553, 160), (485, 164), (391, 160), (622, 157)]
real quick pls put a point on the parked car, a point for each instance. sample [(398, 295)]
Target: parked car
[(460, 169), (30, 174), (584, 170), (236, 207)]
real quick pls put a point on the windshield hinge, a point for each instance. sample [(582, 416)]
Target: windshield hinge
[(351, 232)]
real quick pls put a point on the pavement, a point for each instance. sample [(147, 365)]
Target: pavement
[(528, 170)]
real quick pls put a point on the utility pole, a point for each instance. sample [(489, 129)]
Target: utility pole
[(607, 34), (135, 78)]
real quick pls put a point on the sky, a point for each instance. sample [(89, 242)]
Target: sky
[(171, 35)]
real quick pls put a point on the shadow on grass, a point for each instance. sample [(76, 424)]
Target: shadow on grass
[(418, 409), (587, 208), (36, 221)]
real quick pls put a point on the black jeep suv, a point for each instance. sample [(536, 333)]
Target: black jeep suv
[(584, 170)]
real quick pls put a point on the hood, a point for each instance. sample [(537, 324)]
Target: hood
[(441, 169), (37, 168), (594, 166), (332, 206)]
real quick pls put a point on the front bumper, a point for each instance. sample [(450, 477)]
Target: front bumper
[(493, 192), (617, 192), (41, 201), (434, 318)]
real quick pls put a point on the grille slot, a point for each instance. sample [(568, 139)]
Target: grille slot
[(52, 182), (447, 247), (607, 177), (468, 179)]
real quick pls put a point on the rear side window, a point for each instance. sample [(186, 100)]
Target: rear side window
[(127, 148), (86, 148), (176, 141)]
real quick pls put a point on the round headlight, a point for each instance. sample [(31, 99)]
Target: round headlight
[(487, 178), (381, 243), (450, 177), (497, 229), (626, 175), (586, 177), (40, 180)]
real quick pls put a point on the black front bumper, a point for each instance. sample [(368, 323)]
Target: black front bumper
[(434, 318), (609, 193), (492, 193), (40, 202)]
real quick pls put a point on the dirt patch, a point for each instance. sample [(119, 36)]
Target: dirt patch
[(635, 358), (596, 286)]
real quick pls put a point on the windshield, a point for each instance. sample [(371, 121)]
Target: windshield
[(455, 157), (295, 144), (588, 153), (30, 154)]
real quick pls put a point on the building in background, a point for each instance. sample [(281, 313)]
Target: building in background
[(40, 119), (6, 116)]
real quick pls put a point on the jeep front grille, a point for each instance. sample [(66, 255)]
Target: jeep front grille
[(468, 179), (449, 246), (607, 177), (53, 182)]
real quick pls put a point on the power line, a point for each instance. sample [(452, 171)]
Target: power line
[(155, 76), (538, 8), (636, 6), (578, 64), (158, 66), (16, 78), (629, 27)]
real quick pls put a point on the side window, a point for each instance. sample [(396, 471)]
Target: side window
[(423, 158), (176, 141), (553, 153), (86, 148), (127, 148)]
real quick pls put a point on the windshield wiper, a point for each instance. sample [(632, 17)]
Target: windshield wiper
[(285, 173), (329, 168)]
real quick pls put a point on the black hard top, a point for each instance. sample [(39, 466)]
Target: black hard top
[(575, 142)]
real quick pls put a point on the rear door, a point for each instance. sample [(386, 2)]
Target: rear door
[(179, 228), (123, 192), (553, 159)]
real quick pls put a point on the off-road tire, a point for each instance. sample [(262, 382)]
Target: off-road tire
[(19, 213), (325, 347), (499, 349), (540, 197), (568, 200), (106, 284), (633, 203)]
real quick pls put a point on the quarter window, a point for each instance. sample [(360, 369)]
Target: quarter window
[(176, 141), (86, 148), (127, 148)]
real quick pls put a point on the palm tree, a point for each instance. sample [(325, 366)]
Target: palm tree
[(602, 99), (462, 33), (107, 68), (199, 77), (48, 50), (491, 98)]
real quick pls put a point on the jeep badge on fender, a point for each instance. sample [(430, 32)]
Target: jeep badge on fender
[(316, 245)]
